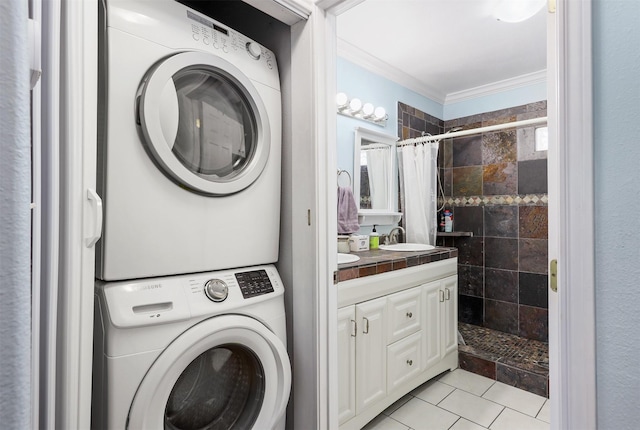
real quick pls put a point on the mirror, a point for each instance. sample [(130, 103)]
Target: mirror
[(374, 167)]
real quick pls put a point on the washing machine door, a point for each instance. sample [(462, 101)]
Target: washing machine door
[(204, 123), (228, 372)]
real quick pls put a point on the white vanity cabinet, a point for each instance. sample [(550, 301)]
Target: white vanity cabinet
[(347, 328), (440, 308), (371, 358), (396, 330)]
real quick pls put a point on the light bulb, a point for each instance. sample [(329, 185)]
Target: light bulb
[(355, 105), (367, 110), (380, 114), (341, 100)]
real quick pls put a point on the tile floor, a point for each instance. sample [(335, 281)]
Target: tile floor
[(462, 400)]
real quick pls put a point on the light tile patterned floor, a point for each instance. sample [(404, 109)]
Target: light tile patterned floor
[(462, 400)]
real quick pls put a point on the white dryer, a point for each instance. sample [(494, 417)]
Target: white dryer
[(189, 143), (202, 351)]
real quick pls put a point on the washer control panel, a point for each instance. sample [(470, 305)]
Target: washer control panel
[(216, 290), (254, 283), (151, 301), (218, 36)]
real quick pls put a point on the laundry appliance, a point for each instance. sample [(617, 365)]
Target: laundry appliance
[(203, 351), (189, 151)]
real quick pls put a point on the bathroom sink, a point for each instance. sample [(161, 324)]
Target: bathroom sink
[(347, 258), (407, 247)]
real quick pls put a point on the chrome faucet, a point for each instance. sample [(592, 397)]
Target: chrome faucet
[(392, 237)]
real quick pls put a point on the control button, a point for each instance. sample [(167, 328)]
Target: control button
[(215, 45), (254, 50), (205, 40), (196, 37), (216, 290), (224, 48), (270, 64)]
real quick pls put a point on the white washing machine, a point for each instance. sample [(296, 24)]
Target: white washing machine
[(189, 143), (203, 351)]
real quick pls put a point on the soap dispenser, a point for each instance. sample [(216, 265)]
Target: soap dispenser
[(374, 239)]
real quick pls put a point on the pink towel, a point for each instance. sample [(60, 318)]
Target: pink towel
[(347, 211)]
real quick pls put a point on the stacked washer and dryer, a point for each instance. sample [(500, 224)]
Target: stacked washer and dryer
[(190, 320)]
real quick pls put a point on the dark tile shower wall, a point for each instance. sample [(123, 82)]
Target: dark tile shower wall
[(496, 185), (413, 122)]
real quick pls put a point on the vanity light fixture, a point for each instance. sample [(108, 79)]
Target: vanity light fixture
[(354, 108)]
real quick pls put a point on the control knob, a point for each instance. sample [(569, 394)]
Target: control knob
[(216, 290), (254, 50)]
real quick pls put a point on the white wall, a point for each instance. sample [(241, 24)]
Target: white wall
[(15, 218), (616, 67)]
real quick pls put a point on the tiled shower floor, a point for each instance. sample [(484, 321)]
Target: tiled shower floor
[(507, 358)]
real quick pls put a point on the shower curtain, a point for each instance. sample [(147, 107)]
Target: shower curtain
[(378, 161), (418, 190)]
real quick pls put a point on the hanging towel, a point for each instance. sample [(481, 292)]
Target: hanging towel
[(347, 211)]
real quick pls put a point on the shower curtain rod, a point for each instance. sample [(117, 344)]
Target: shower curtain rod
[(436, 138)]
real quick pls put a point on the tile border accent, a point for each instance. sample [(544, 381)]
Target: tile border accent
[(514, 200)]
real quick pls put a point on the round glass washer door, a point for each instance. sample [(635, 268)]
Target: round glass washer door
[(204, 123), (228, 372)]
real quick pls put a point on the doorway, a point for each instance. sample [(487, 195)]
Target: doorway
[(566, 122)]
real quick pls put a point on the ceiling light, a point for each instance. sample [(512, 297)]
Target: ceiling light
[(517, 10)]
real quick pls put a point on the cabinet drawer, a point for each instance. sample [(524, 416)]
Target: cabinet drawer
[(403, 311), (403, 360)]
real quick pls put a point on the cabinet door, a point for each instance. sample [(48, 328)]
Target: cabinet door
[(404, 360), (371, 352), (346, 363), (432, 299), (450, 317), (404, 313)]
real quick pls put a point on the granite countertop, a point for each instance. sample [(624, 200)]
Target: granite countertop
[(378, 261)]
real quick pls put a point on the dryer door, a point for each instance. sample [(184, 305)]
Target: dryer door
[(228, 372), (204, 123)]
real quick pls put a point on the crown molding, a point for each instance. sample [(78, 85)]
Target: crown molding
[(539, 77), (358, 56), (375, 65)]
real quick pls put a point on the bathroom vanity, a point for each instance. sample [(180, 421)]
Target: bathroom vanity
[(396, 328)]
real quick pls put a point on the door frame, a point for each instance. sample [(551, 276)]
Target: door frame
[(571, 217), (571, 213)]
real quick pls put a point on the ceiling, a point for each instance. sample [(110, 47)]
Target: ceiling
[(443, 48)]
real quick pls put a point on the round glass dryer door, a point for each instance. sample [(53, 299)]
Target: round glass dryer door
[(204, 123), (226, 373)]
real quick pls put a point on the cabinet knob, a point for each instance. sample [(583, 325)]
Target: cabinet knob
[(410, 362), (409, 314)]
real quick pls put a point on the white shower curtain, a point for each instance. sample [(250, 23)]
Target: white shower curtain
[(378, 172), (418, 190)]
